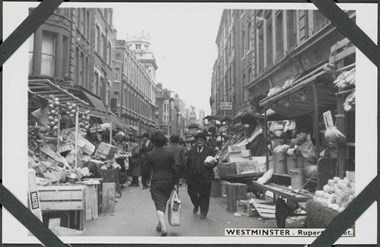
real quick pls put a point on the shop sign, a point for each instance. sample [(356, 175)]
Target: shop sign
[(225, 105)]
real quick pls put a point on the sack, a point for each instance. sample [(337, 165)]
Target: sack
[(307, 148), (174, 211)]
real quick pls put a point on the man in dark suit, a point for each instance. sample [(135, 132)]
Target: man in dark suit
[(199, 176), (146, 147), (179, 156)]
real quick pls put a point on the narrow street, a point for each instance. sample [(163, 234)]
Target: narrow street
[(135, 216)]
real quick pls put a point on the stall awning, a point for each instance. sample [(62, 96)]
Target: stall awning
[(247, 115), (298, 99), (95, 105), (44, 88)]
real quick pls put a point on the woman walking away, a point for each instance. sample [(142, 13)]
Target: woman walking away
[(163, 178)]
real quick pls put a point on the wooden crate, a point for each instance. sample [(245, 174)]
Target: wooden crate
[(216, 188), (235, 192), (61, 198), (91, 202), (108, 198), (226, 169)]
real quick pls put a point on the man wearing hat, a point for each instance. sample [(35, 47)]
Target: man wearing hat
[(200, 174)]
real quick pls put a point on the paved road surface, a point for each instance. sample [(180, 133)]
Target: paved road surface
[(135, 216)]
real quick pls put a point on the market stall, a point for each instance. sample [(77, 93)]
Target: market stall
[(69, 168), (311, 139)]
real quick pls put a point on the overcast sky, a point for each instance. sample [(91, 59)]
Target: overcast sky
[(183, 41)]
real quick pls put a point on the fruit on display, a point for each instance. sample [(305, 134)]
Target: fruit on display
[(349, 103), (69, 109), (345, 79), (84, 120), (53, 113), (336, 194)]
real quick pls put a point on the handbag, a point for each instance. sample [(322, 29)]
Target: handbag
[(174, 211)]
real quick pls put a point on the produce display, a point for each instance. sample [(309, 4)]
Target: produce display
[(54, 115), (333, 135), (336, 194), (349, 103), (345, 79), (69, 109), (84, 120)]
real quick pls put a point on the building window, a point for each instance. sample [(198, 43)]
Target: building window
[(80, 69), (78, 18), (106, 14), (88, 25), (109, 53), (82, 20), (243, 43), (48, 53), (138, 46), (269, 48), (65, 56), (261, 50), (31, 50), (291, 29), (248, 37), (279, 36), (86, 69), (103, 49), (117, 74), (97, 35), (66, 12)]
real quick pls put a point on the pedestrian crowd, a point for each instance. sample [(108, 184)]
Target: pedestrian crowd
[(162, 164)]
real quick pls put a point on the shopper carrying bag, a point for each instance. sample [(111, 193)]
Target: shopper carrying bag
[(174, 212)]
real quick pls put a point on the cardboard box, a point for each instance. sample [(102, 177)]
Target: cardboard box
[(106, 151), (234, 149), (87, 146), (226, 169), (237, 158), (246, 167), (245, 153)]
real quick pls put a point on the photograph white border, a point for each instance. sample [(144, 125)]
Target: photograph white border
[(15, 78)]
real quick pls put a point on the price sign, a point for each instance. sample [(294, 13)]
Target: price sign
[(225, 105), (327, 117)]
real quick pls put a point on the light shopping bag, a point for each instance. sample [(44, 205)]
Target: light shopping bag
[(174, 211)]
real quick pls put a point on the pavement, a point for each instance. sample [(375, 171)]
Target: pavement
[(135, 216)]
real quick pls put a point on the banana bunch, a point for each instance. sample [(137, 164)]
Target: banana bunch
[(345, 79), (349, 103)]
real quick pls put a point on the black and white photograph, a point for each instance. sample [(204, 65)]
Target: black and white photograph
[(189, 123)]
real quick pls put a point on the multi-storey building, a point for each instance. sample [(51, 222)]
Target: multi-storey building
[(261, 49), (73, 47), (163, 108), (133, 89), (102, 34)]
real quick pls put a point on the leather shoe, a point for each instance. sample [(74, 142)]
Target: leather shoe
[(163, 234), (195, 210), (203, 216), (158, 228), (145, 187)]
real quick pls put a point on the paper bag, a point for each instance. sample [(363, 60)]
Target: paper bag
[(174, 212)]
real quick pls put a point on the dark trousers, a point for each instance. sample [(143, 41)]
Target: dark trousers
[(146, 174), (135, 180), (200, 195)]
